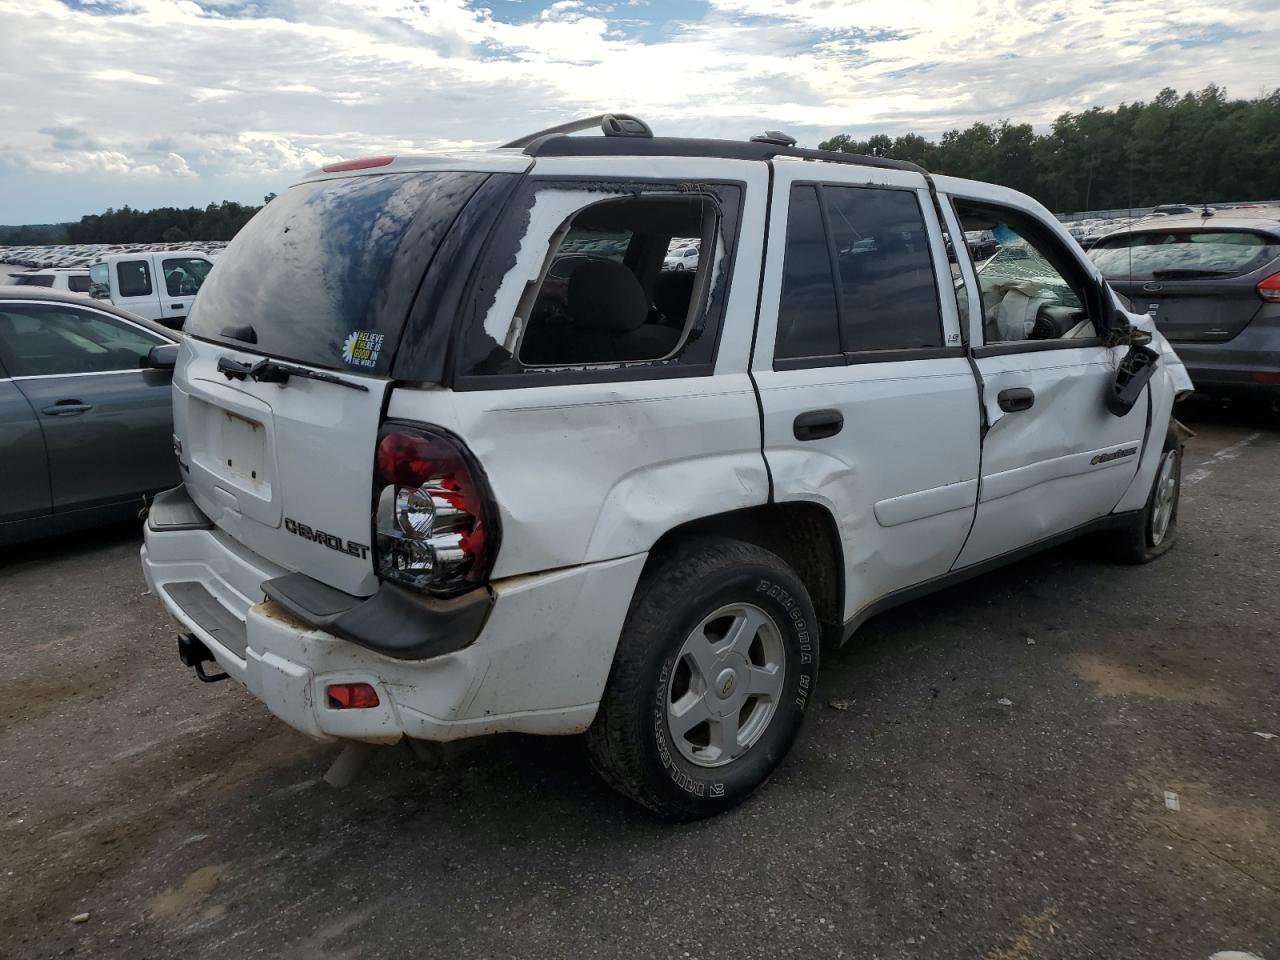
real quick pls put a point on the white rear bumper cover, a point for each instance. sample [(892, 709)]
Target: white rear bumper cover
[(539, 664)]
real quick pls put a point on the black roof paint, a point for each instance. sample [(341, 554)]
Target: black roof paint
[(559, 145)]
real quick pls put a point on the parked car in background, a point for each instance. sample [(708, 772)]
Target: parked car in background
[(155, 286), (435, 486), (86, 426), (74, 280), (681, 260), (982, 244), (1212, 286)]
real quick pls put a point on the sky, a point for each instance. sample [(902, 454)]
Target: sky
[(159, 102)]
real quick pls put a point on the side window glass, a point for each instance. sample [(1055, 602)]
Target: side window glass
[(44, 341), (78, 284), (135, 278), (888, 294), (807, 318), (607, 294), (183, 275), (1030, 288)]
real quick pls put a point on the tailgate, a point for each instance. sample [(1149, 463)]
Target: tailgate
[(286, 469)]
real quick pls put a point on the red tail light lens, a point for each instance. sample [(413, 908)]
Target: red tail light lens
[(1269, 289), (436, 526), (351, 696)]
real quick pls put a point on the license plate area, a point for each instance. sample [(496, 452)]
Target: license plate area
[(242, 450)]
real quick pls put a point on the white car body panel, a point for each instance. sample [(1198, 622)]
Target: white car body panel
[(280, 441), (900, 479)]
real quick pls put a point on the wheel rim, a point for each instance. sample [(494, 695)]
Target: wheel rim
[(1166, 496), (726, 684)]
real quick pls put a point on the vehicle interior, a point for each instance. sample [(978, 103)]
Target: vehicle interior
[(1026, 293), (603, 295), (53, 342)]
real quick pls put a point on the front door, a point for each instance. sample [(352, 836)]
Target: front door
[(870, 406), (1053, 457), (106, 420)]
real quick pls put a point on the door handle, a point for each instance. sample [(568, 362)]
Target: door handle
[(175, 306), (818, 424), (1016, 398), (65, 408)]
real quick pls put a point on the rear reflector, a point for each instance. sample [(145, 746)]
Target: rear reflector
[(1269, 289), (364, 164), (1271, 379), (351, 696)]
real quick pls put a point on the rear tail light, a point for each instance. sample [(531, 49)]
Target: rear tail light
[(351, 696), (436, 525), (1269, 289)]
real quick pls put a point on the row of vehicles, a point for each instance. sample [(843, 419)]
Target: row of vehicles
[(619, 433), (159, 286)]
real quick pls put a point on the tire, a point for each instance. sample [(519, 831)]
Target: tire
[(1153, 531), (679, 632)]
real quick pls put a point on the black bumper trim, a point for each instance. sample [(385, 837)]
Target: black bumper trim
[(213, 618), (175, 510), (394, 622)]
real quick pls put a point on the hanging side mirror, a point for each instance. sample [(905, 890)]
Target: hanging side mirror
[(1132, 376)]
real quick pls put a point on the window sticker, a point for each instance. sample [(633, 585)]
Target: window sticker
[(361, 348)]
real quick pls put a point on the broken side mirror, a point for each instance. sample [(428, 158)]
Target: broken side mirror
[(1131, 377)]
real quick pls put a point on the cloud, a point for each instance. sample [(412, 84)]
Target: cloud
[(255, 92)]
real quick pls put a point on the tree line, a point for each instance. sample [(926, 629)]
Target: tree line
[(217, 221), (1197, 147)]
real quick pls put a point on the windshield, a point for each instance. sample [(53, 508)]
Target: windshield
[(1183, 254), (325, 273)]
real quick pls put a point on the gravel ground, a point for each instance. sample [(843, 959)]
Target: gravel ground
[(986, 773)]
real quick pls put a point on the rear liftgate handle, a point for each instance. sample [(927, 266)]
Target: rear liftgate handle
[(818, 424), (1016, 398)]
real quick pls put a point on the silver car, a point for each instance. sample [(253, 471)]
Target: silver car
[(86, 423)]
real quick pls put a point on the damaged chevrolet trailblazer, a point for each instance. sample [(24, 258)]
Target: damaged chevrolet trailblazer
[(460, 457)]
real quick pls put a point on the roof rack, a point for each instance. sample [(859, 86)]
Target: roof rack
[(625, 135), (611, 124)]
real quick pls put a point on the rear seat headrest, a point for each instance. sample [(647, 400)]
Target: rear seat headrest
[(604, 295)]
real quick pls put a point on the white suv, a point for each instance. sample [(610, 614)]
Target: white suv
[(460, 457)]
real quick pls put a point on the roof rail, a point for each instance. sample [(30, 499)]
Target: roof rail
[(611, 124), (555, 145)]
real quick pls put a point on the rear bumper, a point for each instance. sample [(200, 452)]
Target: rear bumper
[(538, 665), (1249, 362)]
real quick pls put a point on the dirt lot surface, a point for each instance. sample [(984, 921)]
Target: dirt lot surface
[(1068, 758)]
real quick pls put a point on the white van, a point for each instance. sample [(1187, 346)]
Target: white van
[(156, 286), (478, 462)]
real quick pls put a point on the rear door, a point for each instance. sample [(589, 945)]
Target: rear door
[(133, 285), (323, 279), (105, 420), (1199, 284), (1053, 457), (181, 276), (870, 406)]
